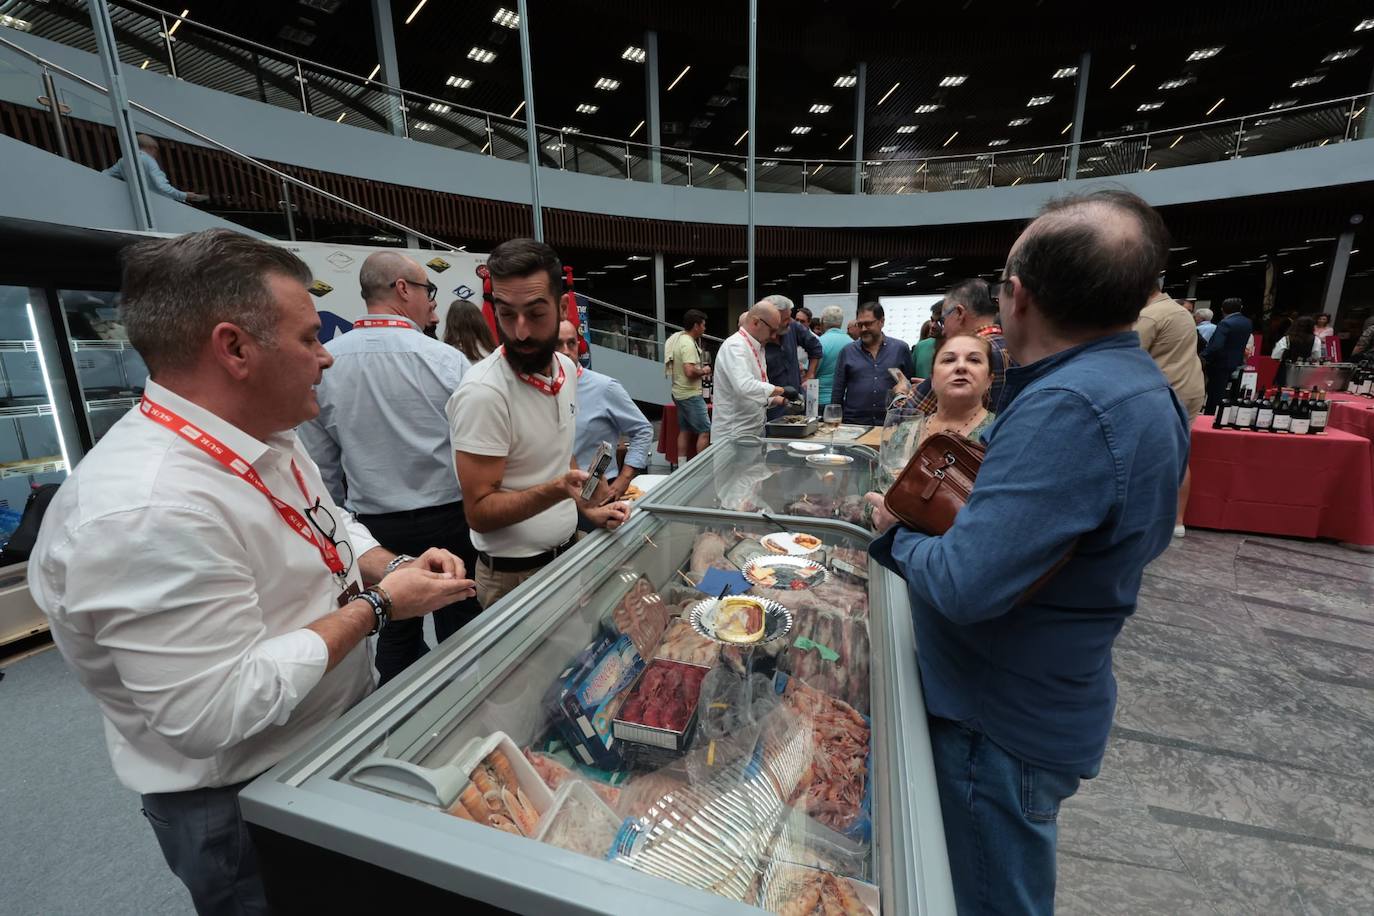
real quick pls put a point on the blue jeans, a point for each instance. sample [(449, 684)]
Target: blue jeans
[(999, 814), (206, 844)]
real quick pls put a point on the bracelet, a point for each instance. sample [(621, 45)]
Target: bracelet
[(380, 612), (397, 561), (385, 597)]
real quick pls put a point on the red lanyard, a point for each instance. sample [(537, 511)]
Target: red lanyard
[(991, 330), (383, 323), (225, 456), (538, 381), (749, 342)]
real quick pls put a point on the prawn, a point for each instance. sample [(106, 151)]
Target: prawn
[(482, 779), (505, 773), (501, 822), (521, 811), (471, 799), (805, 902)]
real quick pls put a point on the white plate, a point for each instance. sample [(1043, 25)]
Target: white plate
[(786, 543), (805, 448), (797, 564), (830, 461), (777, 622)]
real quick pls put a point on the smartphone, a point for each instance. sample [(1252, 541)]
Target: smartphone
[(600, 462)]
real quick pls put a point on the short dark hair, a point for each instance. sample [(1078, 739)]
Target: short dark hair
[(693, 317), (176, 290), (522, 257), (972, 294), (1231, 306), (801, 308), (875, 308), (1082, 273)]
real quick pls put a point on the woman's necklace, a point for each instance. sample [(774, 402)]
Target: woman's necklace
[(970, 423)]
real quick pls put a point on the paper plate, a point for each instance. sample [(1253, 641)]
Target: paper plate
[(791, 543), (805, 448), (830, 461), (787, 573), (777, 621)]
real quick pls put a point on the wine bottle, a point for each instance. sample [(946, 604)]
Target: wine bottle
[(1223, 408), (1264, 413), (1302, 415), (1321, 412), (1245, 411), (1283, 413)]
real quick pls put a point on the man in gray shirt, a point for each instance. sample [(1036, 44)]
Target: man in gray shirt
[(382, 438)]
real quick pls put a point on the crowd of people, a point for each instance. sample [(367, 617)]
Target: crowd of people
[(400, 476)]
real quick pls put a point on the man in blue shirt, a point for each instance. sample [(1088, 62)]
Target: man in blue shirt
[(862, 380), (833, 340), (1205, 327), (605, 412), (153, 175), (784, 369), (1079, 486), (1225, 351)]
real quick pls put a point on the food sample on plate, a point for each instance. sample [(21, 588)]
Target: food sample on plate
[(792, 420), (494, 798), (631, 493), (784, 572), (833, 788), (579, 822), (665, 697), (555, 774), (683, 644), (738, 619), (793, 543)]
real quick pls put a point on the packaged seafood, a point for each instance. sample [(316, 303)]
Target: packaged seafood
[(586, 696), (661, 709), (503, 790), (640, 614), (683, 644), (794, 890), (555, 774), (579, 822), (836, 788)]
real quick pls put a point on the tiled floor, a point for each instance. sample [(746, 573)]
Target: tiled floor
[(1240, 774)]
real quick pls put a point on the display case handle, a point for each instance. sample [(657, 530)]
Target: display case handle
[(438, 787)]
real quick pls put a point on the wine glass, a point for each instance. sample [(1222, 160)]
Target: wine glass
[(834, 413)]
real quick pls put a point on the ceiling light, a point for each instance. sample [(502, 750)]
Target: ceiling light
[(685, 263), (1038, 158), (1364, 25), (568, 129), (1286, 103), (1217, 105), (950, 140), (1340, 55), (782, 149), (339, 119), (633, 54), (1150, 106), (1176, 84), (481, 55), (838, 277), (927, 109), (584, 108), (615, 266), (1308, 81), (906, 129), (457, 82), (717, 285), (439, 107), (607, 84), (1124, 74), (506, 18), (146, 62), (1038, 100), (422, 125), (1289, 271), (956, 80), (742, 279), (876, 265), (1316, 264), (887, 149), (1065, 73), (741, 138), (998, 142), (184, 13), (677, 79), (845, 142), (848, 81), (518, 108), (1188, 263), (637, 128), (23, 25), (888, 93), (1177, 141), (1066, 129), (1204, 53), (640, 277), (1018, 122), (802, 129), (415, 12), (378, 67), (820, 109)]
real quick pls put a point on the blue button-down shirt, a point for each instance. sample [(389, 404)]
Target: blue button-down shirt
[(605, 412), (1086, 456), (783, 367), (862, 381), (152, 173), (382, 439)]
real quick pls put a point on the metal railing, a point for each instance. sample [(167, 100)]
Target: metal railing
[(631, 332), (185, 49)]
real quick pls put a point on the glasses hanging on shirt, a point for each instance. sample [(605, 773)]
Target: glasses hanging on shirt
[(324, 522)]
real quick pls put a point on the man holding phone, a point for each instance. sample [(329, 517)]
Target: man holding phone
[(512, 422)]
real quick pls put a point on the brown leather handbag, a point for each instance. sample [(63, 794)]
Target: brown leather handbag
[(935, 483)]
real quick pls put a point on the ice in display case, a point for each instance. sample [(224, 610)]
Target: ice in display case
[(611, 738)]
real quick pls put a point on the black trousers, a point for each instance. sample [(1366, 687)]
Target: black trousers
[(1218, 378), (207, 845), (402, 642)]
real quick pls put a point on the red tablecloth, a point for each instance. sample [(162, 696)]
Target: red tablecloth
[(1304, 486), (1351, 414), (667, 436)]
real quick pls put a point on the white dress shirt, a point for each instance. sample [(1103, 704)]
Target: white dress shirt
[(179, 595), (742, 388), (381, 439)]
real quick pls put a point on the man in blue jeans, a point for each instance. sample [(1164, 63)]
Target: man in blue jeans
[(1083, 465)]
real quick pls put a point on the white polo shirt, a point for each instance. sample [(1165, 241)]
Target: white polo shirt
[(179, 595), (496, 414)]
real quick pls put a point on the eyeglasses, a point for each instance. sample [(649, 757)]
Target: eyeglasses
[(995, 288), (864, 325), (327, 526), (430, 289)]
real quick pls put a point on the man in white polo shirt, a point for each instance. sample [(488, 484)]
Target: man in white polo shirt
[(512, 422)]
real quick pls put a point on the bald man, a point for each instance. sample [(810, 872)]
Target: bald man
[(153, 175), (382, 437), (743, 392)]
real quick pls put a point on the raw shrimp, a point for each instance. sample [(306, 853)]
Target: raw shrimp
[(501, 822), (521, 811), (471, 799), (505, 774)]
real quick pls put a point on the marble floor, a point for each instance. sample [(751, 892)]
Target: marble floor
[(1240, 773)]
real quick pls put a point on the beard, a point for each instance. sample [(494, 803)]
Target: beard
[(531, 356)]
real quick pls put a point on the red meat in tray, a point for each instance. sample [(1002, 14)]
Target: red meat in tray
[(665, 698)]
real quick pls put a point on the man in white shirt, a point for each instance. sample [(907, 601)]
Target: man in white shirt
[(219, 629), (381, 439), (512, 423), (743, 392)]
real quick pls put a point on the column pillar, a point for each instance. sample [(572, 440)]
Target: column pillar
[(860, 103), (652, 115), (660, 300), (753, 141), (531, 131), (119, 107), (854, 274), (390, 72), (1335, 276), (1080, 105)]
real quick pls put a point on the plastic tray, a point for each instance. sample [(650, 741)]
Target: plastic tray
[(529, 780), (579, 801), (638, 733)]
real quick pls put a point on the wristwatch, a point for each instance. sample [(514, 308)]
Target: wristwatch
[(381, 609), (399, 560)]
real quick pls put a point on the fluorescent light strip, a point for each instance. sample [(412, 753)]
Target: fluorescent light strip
[(679, 78), (1123, 75), (176, 25), (685, 263), (637, 127), (878, 264), (521, 107), (1176, 142), (1217, 105), (888, 93), (47, 384), (375, 71), (1188, 263), (1016, 182), (1067, 128), (846, 142), (339, 119), (950, 140), (741, 138), (415, 12)]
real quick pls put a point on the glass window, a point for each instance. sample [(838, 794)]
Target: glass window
[(111, 372)]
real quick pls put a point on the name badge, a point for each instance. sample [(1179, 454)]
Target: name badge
[(349, 593)]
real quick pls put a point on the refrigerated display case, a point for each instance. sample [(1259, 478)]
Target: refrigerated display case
[(109, 371), (599, 744)]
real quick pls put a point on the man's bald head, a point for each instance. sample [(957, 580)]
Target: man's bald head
[(393, 282), (1090, 261), (148, 144)]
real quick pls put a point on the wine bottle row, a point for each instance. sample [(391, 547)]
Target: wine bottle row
[(1277, 410)]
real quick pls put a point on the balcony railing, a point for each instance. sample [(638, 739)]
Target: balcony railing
[(185, 49)]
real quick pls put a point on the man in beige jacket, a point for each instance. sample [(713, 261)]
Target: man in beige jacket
[(1169, 334)]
